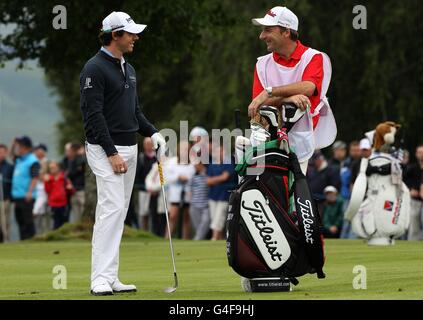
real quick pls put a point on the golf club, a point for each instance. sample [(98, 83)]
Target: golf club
[(168, 289)]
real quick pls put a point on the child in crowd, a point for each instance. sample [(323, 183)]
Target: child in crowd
[(57, 188), (332, 213), (199, 209)]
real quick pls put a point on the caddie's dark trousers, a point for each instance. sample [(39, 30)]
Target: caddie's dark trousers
[(24, 218)]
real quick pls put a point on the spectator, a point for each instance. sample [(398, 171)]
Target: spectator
[(332, 213), (42, 219), (24, 182), (413, 176), (346, 170), (67, 157), (6, 174), (57, 188), (339, 155), (146, 159), (365, 152), (65, 167), (322, 176), (354, 151), (199, 209), (221, 179), (179, 172), (200, 149), (421, 188), (76, 174), (405, 161), (153, 186)]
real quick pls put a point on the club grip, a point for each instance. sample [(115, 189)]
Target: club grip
[(161, 174)]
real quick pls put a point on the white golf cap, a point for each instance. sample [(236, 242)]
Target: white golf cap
[(330, 189), (278, 16), (365, 144), (117, 21)]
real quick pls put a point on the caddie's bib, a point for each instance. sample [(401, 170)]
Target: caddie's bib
[(302, 137)]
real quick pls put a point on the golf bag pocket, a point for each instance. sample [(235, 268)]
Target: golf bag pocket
[(263, 239)]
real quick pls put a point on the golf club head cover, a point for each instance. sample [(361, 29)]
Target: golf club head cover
[(308, 217)]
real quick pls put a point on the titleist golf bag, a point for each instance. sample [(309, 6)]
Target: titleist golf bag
[(274, 228)]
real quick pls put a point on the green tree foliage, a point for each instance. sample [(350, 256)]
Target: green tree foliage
[(195, 61)]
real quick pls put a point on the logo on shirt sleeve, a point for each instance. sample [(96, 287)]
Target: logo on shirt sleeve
[(87, 83)]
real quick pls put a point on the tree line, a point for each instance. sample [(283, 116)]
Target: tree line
[(195, 61)]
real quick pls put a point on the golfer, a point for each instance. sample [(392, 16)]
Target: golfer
[(112, 117), (294, 73)]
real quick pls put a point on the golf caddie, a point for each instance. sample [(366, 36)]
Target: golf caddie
[(294, 73), (112, 118)]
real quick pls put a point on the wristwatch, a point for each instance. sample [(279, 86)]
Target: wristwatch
[(269, 91)]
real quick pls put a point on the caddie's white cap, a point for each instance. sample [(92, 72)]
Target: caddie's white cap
[(365, 144), (278, 16), (117, 21)]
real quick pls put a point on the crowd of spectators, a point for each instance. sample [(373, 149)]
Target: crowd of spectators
[(43, 194)]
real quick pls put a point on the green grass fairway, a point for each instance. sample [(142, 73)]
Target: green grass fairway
[(26, 271)]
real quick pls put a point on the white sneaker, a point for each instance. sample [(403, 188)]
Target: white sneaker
[(103, 289), (119, 287)]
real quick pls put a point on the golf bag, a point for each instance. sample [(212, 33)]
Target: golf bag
[(273, 226), (384, 213)]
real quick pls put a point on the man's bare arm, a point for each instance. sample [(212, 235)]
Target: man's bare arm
[(306, 88), (283, 94)]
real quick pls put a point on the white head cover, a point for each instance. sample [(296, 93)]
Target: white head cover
[(278, 16), (117, 21)]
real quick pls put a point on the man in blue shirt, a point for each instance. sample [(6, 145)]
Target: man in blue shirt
[(221, 179), (24, 181)]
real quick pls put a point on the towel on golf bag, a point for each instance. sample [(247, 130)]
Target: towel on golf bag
[(264, 237)]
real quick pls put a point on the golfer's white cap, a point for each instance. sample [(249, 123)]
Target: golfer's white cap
[(117, 21), (278, 16), (365, 144)]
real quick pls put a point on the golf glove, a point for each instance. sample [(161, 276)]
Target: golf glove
[(159, 142)]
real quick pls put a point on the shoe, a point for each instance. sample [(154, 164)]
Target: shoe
[(119, 287), (103, 289)]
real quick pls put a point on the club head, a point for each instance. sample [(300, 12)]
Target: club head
[(169, 289), (172, 289)]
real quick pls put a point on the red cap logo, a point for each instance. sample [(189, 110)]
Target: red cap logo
[(270, 13)]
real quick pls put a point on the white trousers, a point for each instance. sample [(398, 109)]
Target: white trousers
[(113, 196)]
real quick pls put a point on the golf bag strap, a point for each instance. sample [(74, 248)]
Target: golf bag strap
[(308, 218)]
